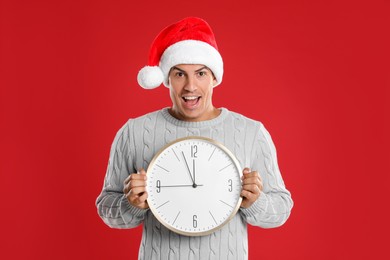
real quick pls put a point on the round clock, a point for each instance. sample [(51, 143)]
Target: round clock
[(194, 186)]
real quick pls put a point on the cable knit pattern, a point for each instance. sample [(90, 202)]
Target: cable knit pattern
[(148, 139), (239, 137), (214, 242), (135, 145)]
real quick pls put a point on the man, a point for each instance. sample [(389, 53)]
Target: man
[(185, 58)]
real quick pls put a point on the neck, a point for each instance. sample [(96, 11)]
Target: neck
[(209, 115)]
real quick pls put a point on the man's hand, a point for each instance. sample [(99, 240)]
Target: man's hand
[(252, 185), (135, 189)]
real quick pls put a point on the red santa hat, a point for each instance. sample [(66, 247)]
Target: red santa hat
[(189, 41)]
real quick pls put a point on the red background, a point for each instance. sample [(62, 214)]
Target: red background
[(314, 72)]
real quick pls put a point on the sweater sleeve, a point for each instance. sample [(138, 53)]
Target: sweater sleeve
[(274, 205), (112, 205)]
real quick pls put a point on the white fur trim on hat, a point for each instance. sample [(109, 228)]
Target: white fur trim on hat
[(191, 52), (150, 77)]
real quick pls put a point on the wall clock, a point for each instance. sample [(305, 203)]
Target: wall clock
[(194, 186)]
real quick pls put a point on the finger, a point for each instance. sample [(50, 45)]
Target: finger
[(246, 170), (247, 173), (136, 184), (127, 179), (132, 198), (126, 189), (253, 180), (139, 200), (251, 174), (136, 176), (252, 177), (126, 185), (134, 180), (136, 191), (143, 197), (138, 180), (252, 188), (142, 171), (249, 195)]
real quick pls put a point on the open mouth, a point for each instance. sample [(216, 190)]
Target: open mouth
[(191, 100)]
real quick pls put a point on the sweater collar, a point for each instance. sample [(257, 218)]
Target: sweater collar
[(199, 124)]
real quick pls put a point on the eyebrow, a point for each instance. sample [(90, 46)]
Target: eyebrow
[(176, 68), (202, 68)]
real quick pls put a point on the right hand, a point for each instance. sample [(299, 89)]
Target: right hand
[(135, 189)]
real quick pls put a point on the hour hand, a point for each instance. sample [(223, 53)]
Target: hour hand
[(193, 171), (188, 168)]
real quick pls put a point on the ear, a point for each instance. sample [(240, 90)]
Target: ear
[(214, 81)]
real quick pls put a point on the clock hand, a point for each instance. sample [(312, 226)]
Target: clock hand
[(188, 169), (193, 170), (172, 186)]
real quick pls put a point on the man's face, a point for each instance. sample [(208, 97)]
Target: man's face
[(191, 90)]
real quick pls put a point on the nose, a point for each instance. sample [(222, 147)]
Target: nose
[(190, 84)]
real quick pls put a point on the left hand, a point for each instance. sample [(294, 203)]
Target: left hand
[(252, 185), (135, 189)]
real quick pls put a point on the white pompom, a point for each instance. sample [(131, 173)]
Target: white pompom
[(150, 77)]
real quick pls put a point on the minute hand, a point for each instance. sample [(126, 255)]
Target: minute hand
[(193, 170), (188, 169)]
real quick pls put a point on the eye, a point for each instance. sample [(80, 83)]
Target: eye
[(179, 74), (202, 73)]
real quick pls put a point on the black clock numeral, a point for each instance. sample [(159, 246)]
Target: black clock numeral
[(158, 186), (194, 151), (195, 221), (230, 182)]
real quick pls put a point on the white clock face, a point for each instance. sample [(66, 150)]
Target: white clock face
[(194, 186)]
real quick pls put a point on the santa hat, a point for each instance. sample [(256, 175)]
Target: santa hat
[(189, 41)]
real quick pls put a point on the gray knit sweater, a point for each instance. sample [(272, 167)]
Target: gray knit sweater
[(134, 146)]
